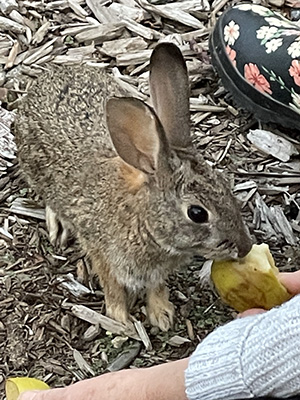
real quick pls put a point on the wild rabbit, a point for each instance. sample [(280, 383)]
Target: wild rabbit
[(126, 180)]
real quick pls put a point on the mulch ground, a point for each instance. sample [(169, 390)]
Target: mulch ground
[(47, 325)]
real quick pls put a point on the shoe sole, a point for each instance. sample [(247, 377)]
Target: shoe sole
[(263, 107)]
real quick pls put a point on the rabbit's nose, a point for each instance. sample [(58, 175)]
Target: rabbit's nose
[(244, 246)]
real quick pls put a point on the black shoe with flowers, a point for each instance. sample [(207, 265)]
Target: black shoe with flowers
[(257, 54)]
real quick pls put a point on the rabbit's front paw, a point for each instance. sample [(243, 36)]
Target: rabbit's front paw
[(58, 230), (162, 315), (52, 225), (160, 310), (116, 299), (118, 313)]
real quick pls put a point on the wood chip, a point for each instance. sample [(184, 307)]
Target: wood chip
[(40, 52), (190, 329), (39, 35), (130, 89), (91, 316), (272, 144), (141, 30), (124, 359), (277, 3), (83, 365), (6, 234), (197, 105), (6, 6), (282, 225), (103, 14), (7, 24), (245, 186), (273, 221), (133, 58), (76, 7), (72, 285), (122, 46), (76, 55), (91, 333), (134, 13), (143, 334), (118, 341), (191, 5), (177, 340), (24, 207), (75, 29), (12, 55), (101, 33), (172, 12)]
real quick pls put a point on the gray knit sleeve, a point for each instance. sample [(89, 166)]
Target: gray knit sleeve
[(253, 356)]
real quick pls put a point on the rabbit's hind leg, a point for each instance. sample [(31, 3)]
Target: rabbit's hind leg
[(160, 309), (59, 231)]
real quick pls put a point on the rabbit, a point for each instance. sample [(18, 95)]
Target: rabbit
[(126, 180)]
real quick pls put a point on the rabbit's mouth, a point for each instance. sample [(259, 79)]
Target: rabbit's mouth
[(228, 247), (231, 251), (225, 250)]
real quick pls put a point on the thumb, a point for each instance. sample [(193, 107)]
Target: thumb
[(32, 395), (291, 280), (250, 312), (51, 394)]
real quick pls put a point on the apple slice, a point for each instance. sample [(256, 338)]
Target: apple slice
[(15, 386), (250, 282)]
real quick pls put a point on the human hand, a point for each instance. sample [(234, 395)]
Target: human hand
[(291, 281), (104, 387), (161, 382)]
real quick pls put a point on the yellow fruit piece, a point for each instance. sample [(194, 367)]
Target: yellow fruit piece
[(250, 282), (15, 386)]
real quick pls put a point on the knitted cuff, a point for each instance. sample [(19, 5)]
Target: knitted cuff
[(215, 370), (271, 353), (248, 357)]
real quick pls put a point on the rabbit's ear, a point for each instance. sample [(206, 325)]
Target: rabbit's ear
[(169, 87), (136, 133)]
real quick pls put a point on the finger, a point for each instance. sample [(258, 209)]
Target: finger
[(252, 311), (291, 280), (28, 395), (87, 390), (52, 394)]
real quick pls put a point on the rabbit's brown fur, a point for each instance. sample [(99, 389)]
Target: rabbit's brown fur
[(122, 179)]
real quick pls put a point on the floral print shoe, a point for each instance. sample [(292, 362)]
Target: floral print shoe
[(257, 54)]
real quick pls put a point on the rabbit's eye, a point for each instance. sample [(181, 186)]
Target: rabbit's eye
[(197, 214)]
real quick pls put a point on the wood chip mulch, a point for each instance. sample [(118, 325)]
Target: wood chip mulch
[(52, 323)]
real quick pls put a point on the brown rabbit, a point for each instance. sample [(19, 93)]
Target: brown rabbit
[(126, 180)]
